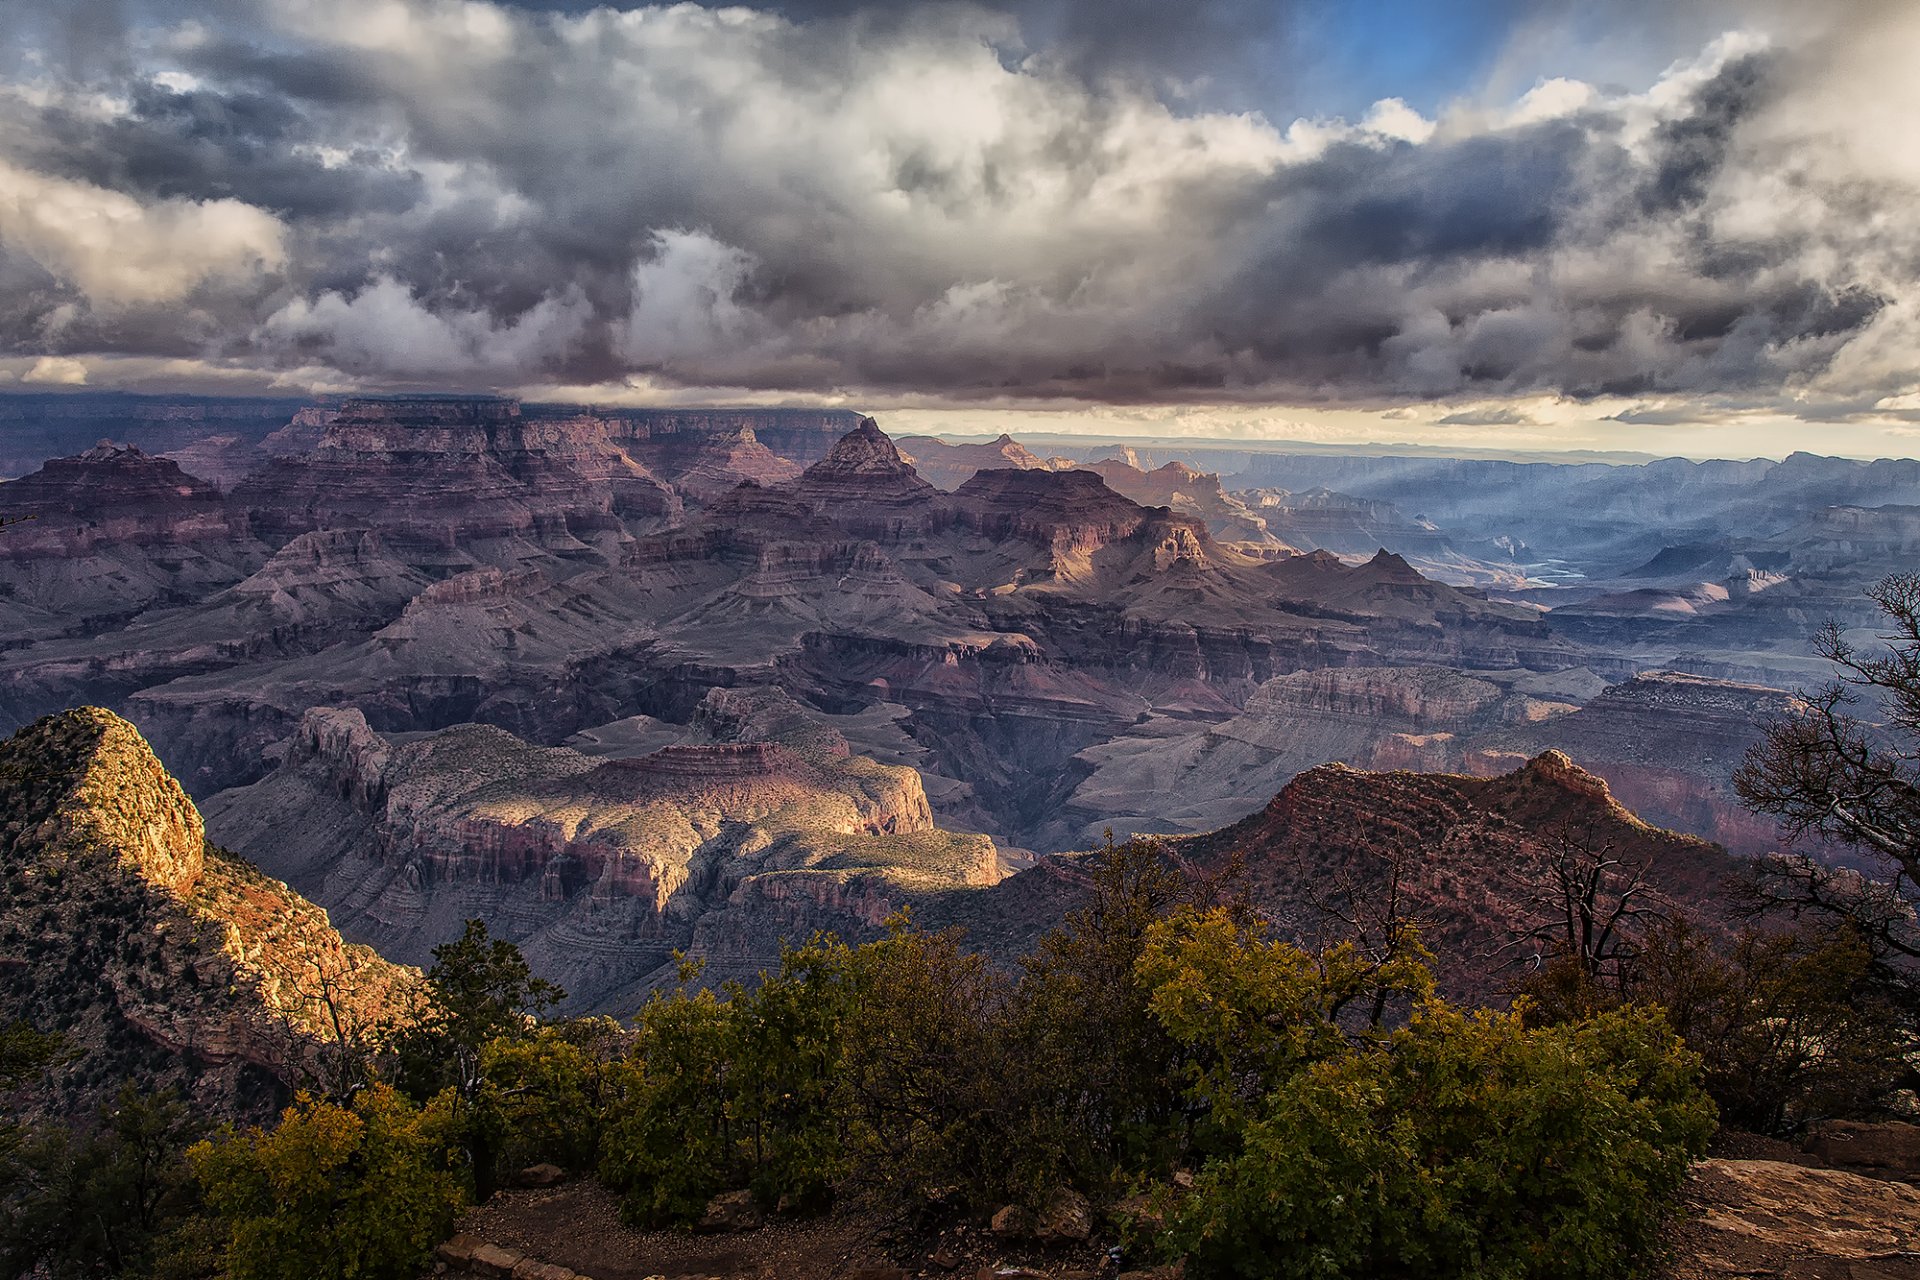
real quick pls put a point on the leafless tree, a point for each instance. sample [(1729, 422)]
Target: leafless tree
[(330, 1042), (1591, 906), (1842, 770)]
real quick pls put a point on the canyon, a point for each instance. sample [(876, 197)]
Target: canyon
[(496, 645)]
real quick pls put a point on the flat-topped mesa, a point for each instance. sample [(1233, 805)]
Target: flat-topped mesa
[(109, 495), (1069, 511), (710, 763), (450, 469), (602, 868), (799, 436)]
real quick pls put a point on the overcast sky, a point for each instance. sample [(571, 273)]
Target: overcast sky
[(1670, 226)]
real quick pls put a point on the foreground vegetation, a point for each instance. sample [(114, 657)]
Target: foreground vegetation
[(1260, 1109)]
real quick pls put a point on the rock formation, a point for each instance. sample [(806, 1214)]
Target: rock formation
[(1666, 743), (1180, 488), (155, 954), (107, 533), (1467, 859), (1166, 776), (948, 466), (495, 473), (600, 867), (432, 561)]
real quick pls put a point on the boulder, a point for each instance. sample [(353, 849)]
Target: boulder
[(1065, 1217), (1889, 1149), (731, 1211), (458, 1251), (494, 1261), (1010, 1222), (540, 1175), (534, 1269)]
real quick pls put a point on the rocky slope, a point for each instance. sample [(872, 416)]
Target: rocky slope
[(107, 533), (601, 866), (496, 474), (1470, 857), (155, 954), (1195, 493), (1164, 775)]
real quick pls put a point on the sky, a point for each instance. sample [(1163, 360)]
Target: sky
[(1604, 224)]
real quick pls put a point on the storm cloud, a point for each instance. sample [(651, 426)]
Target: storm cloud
[(1023, 200)]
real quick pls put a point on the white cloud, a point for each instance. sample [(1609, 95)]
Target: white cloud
[(120, 251), (56, 371), (386, 329)]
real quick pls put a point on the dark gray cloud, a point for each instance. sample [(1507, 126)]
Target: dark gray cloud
[(1016, 199)]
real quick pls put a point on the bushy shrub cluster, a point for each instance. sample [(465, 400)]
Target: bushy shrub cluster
[(1266, 1111)]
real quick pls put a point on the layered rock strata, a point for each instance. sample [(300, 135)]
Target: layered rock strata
[(601, 868)]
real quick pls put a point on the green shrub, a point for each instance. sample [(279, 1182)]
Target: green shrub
[(111, 1202), (928, 1077), (333, 1193), (1462, 1145), (547, 1096), (740, 1092)]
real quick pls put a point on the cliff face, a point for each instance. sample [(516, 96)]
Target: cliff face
[(449, 470), (865, 486), (106, 533), (1667, 744), (1170, 777), (154, 953), (599, 867), (437, 561), (1193, 493)]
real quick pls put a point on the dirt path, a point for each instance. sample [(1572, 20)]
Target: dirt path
[(577, 1226)]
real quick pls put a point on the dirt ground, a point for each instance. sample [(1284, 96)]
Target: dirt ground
[(1755, 1208), (577, 1225)]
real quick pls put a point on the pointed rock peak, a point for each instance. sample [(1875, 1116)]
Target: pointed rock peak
[(864, 450), (1003, 440), (1389, 567), (86, 785)]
